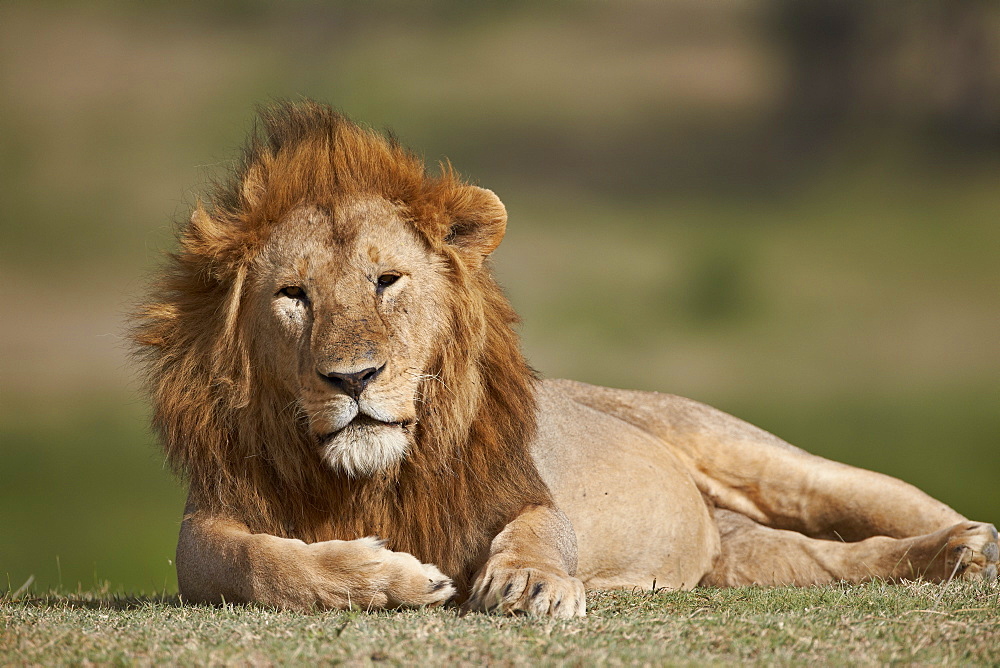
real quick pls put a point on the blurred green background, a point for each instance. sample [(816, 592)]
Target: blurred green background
[(788, 210)]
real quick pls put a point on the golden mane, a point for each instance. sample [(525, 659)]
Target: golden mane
[(237, 437)]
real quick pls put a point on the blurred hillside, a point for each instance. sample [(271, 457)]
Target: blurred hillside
[(788, 210)]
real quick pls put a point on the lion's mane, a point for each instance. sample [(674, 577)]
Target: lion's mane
[(238, 439)]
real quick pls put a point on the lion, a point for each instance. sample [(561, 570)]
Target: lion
[(336, 374)]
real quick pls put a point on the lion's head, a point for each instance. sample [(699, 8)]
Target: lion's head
[(329, 328), (348, 309)]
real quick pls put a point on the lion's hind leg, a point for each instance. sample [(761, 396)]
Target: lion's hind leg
[(755, 554), (745, 469)]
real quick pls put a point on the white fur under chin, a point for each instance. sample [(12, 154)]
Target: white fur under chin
[(362, 449)]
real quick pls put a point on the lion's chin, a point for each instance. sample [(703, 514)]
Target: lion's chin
[(366, 446)]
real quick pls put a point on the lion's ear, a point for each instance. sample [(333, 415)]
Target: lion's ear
[(478, 222)]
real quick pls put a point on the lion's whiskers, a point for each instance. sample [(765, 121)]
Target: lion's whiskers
[(420, 377)]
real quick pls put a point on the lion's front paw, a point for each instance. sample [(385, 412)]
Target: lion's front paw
[(973, 550), (538, 591), (412, 583), (380, 578)]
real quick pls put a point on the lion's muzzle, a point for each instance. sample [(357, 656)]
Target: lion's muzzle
[(366, 445)]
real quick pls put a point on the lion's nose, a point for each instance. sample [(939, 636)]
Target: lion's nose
[(352, 383)]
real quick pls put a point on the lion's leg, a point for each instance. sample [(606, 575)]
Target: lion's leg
[(531, 567), (787, 488), (750, 471), (755, 554), (221, 560)]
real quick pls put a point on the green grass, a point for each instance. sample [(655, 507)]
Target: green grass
[(874, 623)]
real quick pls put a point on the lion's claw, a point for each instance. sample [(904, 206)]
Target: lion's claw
[(534, 591), (438, 585)]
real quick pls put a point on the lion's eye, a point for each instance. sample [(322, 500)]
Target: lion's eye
[(387, 279), (293, 292)]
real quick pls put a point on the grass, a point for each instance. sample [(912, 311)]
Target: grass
[(873, 623)]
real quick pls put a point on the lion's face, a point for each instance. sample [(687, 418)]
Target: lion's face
[(347, 309)]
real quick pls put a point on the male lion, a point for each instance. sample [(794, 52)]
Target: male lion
[(334, 370)]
